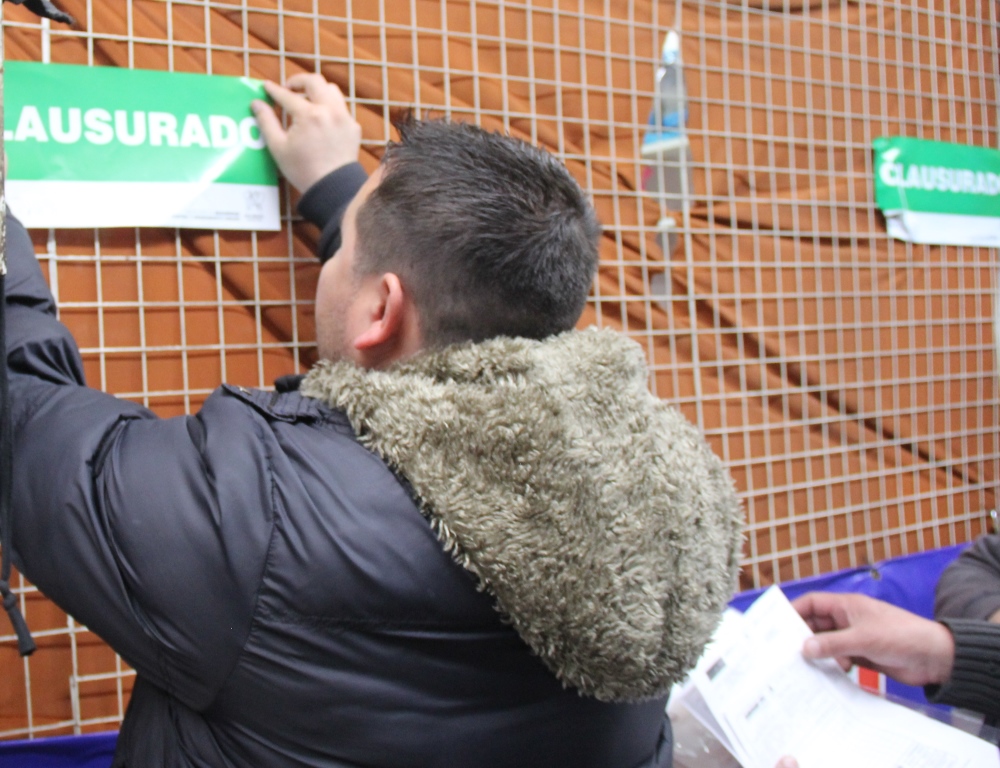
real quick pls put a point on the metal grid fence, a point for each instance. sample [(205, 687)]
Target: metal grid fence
[(847, 380)]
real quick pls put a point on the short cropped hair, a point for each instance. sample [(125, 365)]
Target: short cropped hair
[(490, 235)]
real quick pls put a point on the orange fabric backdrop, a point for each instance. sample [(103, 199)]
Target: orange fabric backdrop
[(847, 380)]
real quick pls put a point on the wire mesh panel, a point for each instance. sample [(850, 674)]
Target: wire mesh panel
[(846, 379)]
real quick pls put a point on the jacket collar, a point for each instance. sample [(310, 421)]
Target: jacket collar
[(595, 514)]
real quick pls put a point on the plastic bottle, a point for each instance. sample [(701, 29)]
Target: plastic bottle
[(665, 147), (668, 118)]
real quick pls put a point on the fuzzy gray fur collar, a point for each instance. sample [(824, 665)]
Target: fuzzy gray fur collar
[(596, 515)]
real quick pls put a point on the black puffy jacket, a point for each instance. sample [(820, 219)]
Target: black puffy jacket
[(280, 593)]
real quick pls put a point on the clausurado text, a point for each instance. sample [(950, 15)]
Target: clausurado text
[(72, 125)]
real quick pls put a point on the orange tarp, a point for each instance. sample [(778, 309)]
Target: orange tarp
[(846, 379)]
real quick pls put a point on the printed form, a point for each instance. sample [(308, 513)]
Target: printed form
[(757, 694)]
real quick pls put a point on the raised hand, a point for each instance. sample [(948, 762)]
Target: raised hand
[(321, 136)]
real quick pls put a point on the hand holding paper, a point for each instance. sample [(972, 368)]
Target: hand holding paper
[(856, 629), (766, 703), (322, 136)]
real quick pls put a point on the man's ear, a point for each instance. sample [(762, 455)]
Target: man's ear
[(386, 317)]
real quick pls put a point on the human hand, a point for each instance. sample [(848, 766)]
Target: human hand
[(855, 629), (787, 762), (322, 135)]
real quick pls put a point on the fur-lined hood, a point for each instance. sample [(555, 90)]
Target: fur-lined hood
[(596, 515)]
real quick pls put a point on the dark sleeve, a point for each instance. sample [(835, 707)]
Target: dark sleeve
[(132, 524), (324, 204), (975, 677), (36, 341), (970, 587)]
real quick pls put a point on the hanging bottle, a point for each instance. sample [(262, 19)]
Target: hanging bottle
[(665, 147), (668, 118)]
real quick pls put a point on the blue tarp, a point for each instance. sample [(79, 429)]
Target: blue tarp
[(92, 750), (905, 581)]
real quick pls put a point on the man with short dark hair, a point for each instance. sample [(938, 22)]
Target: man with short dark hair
[(468, 537), (498, 224)]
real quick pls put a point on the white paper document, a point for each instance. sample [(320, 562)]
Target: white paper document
[(757, 694)]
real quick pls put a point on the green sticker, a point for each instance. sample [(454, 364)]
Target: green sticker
[(934, 192), (107, 124), (107, 147)]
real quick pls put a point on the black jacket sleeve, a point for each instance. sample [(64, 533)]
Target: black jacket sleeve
[(975, 677), (325, 201), (970, 587), (130, 523)]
